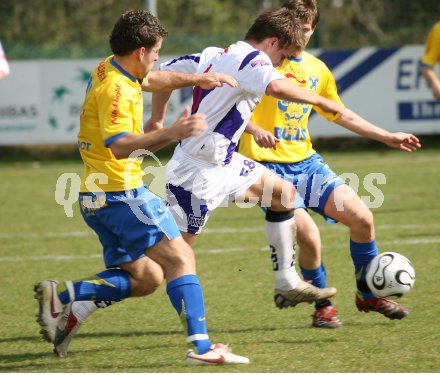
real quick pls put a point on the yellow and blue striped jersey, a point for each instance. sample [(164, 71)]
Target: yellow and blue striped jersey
[(112, 109), (431, 55), (288, 121)]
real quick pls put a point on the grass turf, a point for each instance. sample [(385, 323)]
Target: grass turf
[(38, 241)]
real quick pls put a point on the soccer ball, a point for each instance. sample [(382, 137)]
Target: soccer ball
[(390, 275)]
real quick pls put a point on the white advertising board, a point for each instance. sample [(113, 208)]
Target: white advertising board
[(40, 100)]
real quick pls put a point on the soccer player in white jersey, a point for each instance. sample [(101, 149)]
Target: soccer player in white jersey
[(206, 172), (203, 173), (281, 128)]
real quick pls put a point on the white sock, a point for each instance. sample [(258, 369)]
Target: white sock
[(281, 238), (83, 309)]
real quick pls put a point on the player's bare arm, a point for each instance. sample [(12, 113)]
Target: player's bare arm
[(159, 80), (356, 124), (159, 103), (286, 90), (262, 137), (430, 76), (185, 126)]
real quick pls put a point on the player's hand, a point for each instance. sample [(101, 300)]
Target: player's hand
[(265, 139), (210, 80), (404, 142), (188, 126)]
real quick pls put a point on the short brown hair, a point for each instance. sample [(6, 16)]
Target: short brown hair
[(135, 29), (279, 23), (305, 10)]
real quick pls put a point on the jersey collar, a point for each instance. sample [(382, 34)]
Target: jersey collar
[(295, 59), (122, 70)]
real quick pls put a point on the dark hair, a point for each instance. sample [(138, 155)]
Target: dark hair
[(305, 10), (135, 29), (279, 23)]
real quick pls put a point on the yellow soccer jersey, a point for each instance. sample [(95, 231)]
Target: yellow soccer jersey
[(112, 108), (431, 56), (288, 121)]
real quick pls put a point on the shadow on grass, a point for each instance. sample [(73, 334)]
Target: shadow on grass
[(18, 362)]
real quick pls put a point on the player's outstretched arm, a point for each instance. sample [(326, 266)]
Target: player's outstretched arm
[(185, 126), (356, 124), (262, 138), (160, 80), (286, 90), (430, 76)]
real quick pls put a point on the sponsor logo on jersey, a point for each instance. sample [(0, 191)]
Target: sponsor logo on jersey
[(259, 63)]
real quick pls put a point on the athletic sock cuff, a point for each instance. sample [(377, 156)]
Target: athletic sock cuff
[(183, 280), (310, 274), (277, 217), (363, 248)]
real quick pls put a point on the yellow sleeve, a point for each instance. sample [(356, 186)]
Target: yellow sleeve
[(330, 91), (115, 115), (431, 55)]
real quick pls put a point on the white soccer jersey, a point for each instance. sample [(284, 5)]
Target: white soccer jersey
[(227, 109)]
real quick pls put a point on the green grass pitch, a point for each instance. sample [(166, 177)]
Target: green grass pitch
[(38, 241)]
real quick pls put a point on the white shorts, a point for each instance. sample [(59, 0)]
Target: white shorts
[(196, 187)]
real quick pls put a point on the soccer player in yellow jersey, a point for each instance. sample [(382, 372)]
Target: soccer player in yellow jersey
[(278, 137), (141, 242), (430, 58)]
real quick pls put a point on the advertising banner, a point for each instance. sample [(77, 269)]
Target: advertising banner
[(40, 100)]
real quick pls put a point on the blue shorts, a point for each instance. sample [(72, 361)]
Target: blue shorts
[(127, 223), (313, 179)]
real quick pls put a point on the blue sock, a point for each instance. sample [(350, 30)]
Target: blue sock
[(318, 277), (362, 253), (109, 285), (186, 296)]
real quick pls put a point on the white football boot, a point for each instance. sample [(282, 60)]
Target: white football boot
[(219, 354), (304, 292), (50, 308)]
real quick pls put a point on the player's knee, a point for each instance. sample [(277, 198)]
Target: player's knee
[(146, 281), (150, 285)]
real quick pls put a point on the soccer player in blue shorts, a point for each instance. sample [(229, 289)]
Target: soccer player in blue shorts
[(205, 171), (140, 239), (278, 137)]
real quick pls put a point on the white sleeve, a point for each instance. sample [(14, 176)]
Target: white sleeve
[(182, 64), (4, 65), (257, 74)]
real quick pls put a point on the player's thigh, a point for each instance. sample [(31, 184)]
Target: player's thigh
[(272, 192), (345, 206)]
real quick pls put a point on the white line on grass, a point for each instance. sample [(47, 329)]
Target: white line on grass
[(207, 231), (211, 251)]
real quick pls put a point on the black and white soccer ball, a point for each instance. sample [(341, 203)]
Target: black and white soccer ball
[(390, 275)]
